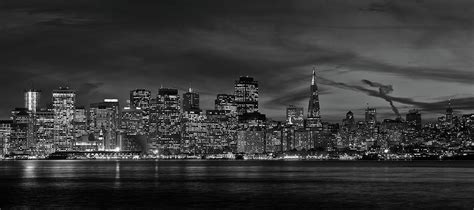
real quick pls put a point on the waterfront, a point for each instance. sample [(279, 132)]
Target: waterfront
[(237, 184)]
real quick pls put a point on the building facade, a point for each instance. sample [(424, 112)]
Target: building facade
[(246, 95), (64, 100)]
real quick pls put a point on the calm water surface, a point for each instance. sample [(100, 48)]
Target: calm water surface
[(237, 184)]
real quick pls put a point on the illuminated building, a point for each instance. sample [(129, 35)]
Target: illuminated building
[(347, 132), (302, 140), (349, 121), (190, 101), (165, 122), (194, 133), (222, 129), (104, 118), (132, 132), (32, 98), (22, 134), (294, 116), (251, 141), (132, 121), (64, 100), (449, 113), (314, 118), (254, 119), (370, 116), (5, 132), (226, 102), (80, 123), (413, 118), (288, 138), (273, 140), (140, 98), (44, 130), (246, 95)]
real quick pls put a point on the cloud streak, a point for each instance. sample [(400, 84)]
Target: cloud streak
[(105, 48)]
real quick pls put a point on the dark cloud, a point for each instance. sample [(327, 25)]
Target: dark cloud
[(436, 107), (384, 90), (292, 97), (103, 48)]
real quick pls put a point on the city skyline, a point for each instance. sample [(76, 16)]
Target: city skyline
[(149, 94), (237, 104), (374, 52)]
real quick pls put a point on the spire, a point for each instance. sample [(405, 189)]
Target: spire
[(314, 118), (190, 88)]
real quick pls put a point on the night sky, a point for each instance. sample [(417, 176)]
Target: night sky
[(413, 53)]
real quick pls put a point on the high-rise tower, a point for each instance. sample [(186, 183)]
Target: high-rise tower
[(314, 118), (32, 98), (190, 101), (246, 95), (449, 113), (63, 106)]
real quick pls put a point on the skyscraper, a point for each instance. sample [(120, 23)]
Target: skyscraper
[(80, 122), (64, 100), (246, 95), (314, 118), (370, 115), (190, 101), (414, 118), (140, 98), (165, 121), (449, 113), (104, 118), (44, 130), (349, 121), (21, 139), (226, 102), (32, 98), (5, 132), (294, 116)]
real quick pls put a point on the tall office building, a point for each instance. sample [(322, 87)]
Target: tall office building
[(44, 130), (80, 122), (32, 98), (246, 95), (132, 123), (226, 102), (449, 113), (190, 101), (314, 118), (165, 121), (64, 100), (104, 119), (413, 118), (22, 136), (140, 98), (370, 116), (294, 116), (5, 132)]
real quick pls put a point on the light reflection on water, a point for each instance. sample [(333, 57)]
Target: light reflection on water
[(220, 184)]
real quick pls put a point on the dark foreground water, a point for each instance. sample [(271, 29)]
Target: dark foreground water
[(237, 184)]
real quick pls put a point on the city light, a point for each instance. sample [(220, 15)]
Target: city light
[(169, 126)]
